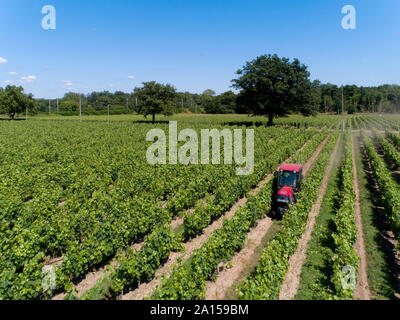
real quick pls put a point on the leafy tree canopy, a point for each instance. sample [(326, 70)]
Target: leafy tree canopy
[(224, 103), (274, 87), (155, 98), (13, 101), (209, 92)]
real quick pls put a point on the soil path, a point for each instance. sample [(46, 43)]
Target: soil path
[(146, 289), (292, 280), (362, 291), (244, 261)]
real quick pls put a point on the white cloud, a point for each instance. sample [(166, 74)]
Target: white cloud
[(68, 83), (8, 81), (3, 60), (131, 77), (12, 73), (28, 79)]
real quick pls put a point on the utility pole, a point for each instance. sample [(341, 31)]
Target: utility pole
[(343, 107), (58, 106), (136, 101), (27, 113), (108, 114), (80, 107), (127, 103), (49, 106)]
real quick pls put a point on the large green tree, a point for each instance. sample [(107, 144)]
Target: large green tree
[(155, 98), (274, 87), (13, 101)]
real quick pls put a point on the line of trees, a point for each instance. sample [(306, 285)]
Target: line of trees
[(98, 102), (268, 85), (325, 98), (385, 98)]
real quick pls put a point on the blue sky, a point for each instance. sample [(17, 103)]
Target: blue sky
[(194, 45)]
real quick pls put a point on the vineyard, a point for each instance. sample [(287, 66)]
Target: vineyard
[(85, 216)]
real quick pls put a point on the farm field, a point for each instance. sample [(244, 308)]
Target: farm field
[(85, 216)]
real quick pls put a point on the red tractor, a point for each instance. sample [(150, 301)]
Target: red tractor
[(288, 182)]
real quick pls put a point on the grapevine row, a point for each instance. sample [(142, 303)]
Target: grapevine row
[(229, 193), (188, 280), (389, 189), (394, 137), (129, 260), (345, 234), (390, 151), (86, 209), (266, 281)]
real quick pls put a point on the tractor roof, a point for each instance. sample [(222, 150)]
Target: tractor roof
[(291, 167)]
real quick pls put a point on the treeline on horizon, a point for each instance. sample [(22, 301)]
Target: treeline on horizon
[(327, 98)]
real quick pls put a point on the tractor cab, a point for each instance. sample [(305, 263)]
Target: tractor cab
[(289, 178)]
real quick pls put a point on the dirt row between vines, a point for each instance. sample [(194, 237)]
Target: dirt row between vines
[(146, 289), (243, 262), (296, 261), (362, 291)]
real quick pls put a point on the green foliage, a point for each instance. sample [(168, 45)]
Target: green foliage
[(266, 281), (345, 235), (389, 189), (394, 137), (222, 104), (188, 280), (84, 193), (274, 87), (155, 98), (390, 151), (135, 267), (69, 105), (13, 101), (231, 191), (384, 98)]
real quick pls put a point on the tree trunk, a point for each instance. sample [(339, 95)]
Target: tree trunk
[(270, 120), (154, 117)]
